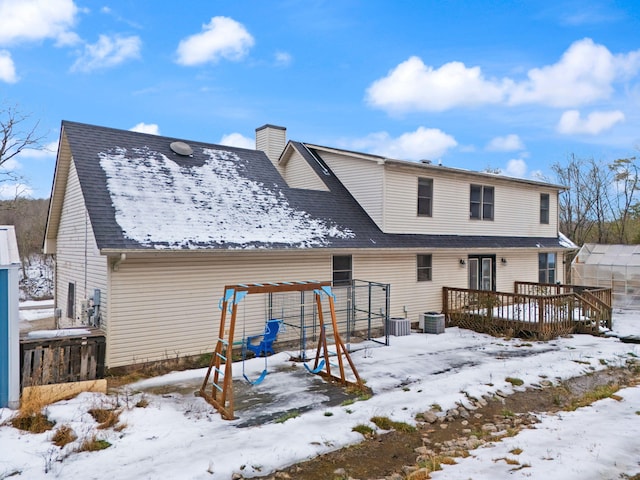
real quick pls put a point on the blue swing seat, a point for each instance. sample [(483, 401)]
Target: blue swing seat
[(264, 346)]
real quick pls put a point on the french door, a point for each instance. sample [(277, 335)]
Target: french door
[(482, 272)]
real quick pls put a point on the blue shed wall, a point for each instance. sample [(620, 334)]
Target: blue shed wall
[(4, 337)]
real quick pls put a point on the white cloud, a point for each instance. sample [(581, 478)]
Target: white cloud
[(424, 143), (10, 165), (32, 20), (412, 85), (516, 168), (238, 140), (283, 59), (585, 73), (508, 143), (142, 127), (47, 151), (9, 191), (222, 37), (7, 68), (572, 122), (108, 51)]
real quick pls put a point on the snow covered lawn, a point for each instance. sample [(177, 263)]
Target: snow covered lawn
[(179, 436)]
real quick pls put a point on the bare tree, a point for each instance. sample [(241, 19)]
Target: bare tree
[(17, 133), (576, 202), (600, 203), (598, 179), (624, 201)]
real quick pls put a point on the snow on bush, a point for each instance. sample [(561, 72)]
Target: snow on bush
[(36, 278)]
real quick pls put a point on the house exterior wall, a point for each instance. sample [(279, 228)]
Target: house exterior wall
[(78, 260), (410, 298), (516, 206), (365, 181), (388, 192), (165, 308), (298, 174)]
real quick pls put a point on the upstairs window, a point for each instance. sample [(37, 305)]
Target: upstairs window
[(544, 208), (424, 268), (547, 267), (481, 205), (342, 270), (425, 197)]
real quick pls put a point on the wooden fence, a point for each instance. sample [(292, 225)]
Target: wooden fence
[(62, 359), (539, 310)]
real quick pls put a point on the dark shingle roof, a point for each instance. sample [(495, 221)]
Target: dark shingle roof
[(141, 195)]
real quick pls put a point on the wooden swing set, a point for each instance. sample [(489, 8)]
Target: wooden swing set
[(220, 395)]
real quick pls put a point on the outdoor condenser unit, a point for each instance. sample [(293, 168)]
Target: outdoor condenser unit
[(433, 322)]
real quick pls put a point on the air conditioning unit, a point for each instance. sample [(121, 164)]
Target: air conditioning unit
[(433, 322)]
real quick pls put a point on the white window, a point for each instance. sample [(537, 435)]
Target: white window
[(481, 205)]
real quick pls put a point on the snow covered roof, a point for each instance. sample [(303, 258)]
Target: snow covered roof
[(8, 246), (141, 194), (566, 242)]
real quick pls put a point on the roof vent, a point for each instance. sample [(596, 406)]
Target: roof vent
[(181, 148), (425, 161)]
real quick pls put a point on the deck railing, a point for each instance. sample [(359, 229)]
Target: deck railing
[(600, 298), (541, 310)]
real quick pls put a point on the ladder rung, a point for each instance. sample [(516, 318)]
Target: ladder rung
[(223, 341), (220, 372), (221, 356), (217, 386)]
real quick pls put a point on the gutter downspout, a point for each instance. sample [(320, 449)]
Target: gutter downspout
[(116, 265)]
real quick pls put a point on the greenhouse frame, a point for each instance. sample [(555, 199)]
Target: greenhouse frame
[(613, 266)]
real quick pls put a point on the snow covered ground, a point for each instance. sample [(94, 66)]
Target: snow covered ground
[(36, 314), (179, 436)]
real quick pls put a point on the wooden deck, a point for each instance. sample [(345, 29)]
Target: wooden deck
[(537, 310)]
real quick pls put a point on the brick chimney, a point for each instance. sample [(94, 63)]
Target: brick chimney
[(271, 139)]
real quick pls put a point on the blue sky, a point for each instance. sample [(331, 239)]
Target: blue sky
[(515, 86)]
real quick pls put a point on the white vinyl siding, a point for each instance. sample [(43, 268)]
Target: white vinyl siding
[(407, 293), (271, 140), (365, 181), (78, 260), (299, 174), (516, 206), (168, 308)]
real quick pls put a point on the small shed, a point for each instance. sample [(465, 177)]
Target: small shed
[(612, 266), (9, 326)]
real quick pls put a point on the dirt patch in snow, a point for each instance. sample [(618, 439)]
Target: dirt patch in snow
[(394, 455)]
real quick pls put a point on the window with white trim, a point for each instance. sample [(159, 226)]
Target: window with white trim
[(342, 270), (424, 269), (481, 202), (544, 208), (547, 267), (425, 197)]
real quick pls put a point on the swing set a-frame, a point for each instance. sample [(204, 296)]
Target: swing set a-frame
[(220, 371)]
